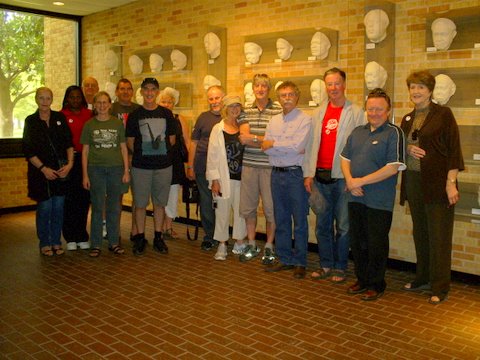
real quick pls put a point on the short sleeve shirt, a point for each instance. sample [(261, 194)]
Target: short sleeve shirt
[(151, 129), (369, 151), (201, 133), (104, 139)]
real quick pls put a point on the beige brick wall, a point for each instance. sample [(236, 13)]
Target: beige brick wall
[(13, 183), (60, 50), (145, 25)]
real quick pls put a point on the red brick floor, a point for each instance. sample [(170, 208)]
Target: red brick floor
[(186, 305)]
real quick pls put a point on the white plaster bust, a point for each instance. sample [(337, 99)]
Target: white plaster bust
[(320, 45), (156, 62), (318, 91), (375, 75), (110, 88), (210, 80), (248, 94), (376, 22), (252, 52), (136, 64), (111, 60), (212, 45), (443, 32), (284, 49), (277, 84), (179, 59), (444, 89), (139, 96)]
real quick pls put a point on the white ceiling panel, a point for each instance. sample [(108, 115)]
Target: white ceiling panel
[(71, 7)]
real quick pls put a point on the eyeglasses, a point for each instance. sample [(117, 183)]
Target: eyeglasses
[(415, 134), (287, 95)]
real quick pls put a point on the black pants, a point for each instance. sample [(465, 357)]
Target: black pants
[(369, 242), (432, 234), (77, 203)]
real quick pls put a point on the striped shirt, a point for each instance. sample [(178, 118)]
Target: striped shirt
[(258, 121)]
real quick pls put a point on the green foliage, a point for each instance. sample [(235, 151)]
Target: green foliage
[(21, 62)]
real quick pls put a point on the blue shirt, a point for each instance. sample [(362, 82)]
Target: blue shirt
[(290, 134), (369, 151)]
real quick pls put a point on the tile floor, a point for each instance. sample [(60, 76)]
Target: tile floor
[(185, 305)]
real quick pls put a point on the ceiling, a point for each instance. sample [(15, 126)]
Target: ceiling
[(71, 7)]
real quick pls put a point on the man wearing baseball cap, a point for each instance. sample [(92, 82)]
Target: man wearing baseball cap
[(150, 134)]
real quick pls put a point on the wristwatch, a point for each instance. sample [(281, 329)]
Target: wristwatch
[(255, 139)]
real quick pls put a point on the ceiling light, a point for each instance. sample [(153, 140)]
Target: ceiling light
[(58, 3)]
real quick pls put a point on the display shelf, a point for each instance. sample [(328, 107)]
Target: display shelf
[(468, 206), (468, 28), (300, 40), (467, 94), (164, 52), (470, 143)]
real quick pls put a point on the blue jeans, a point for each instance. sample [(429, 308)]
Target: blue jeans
[(333, 244), (207, 213), (49, 219), (105, 191), (290, 201)]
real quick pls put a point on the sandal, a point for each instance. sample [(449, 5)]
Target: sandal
[(46, 251), (321, 274), (94, 253), (435, 299), (338, 276), (58, 250), (117, 249)]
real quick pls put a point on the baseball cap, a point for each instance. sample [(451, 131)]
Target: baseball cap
[(151, 81)]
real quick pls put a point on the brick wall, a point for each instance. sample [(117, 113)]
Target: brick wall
[(60, 50), (13, 183)]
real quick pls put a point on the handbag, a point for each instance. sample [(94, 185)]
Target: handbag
[(191, 195)]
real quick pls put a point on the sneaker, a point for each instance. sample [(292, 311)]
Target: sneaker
[(268, 257), (71, 245), (238, 248), (84, 245), (206, 245), (221, 252), (159, 245), (249, 253), (139, 244)]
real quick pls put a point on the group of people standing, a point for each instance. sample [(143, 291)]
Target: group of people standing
[(79, 156), (346, 157)]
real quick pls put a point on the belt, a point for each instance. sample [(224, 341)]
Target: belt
[(286, 168)]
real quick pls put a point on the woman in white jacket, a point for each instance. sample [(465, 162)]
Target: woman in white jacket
[(224, 168)]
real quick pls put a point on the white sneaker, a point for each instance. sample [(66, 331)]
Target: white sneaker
[(72, 245), (84, 245), (221, 252), (238, 248)]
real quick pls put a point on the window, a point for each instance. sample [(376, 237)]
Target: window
[(35, 49)]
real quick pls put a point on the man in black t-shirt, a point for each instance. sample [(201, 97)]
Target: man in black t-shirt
[(150, 134)]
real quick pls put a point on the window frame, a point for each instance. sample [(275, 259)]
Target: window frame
[(12, 147)]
